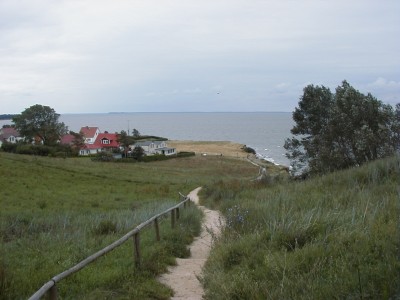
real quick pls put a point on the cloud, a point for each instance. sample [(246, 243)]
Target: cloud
[(386, 84), (75, 55)]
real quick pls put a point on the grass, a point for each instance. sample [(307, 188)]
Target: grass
[(335, 236), (56, 212)]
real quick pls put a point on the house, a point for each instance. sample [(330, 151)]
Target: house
[(9, 135), (104, 142), (67, 139), (155, 147), (90, 134)]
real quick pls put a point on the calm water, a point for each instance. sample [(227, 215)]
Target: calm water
[(265, 132)]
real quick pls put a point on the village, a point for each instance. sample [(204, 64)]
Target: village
[(94, 142)]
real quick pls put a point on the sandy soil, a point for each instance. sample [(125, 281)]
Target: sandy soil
[(210, 148), (183, 278), (226, 148)]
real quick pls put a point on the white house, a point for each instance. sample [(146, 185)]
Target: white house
[(90, 134), (10, 135), (155, 147), (104, 142)]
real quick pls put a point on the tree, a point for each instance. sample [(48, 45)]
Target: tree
[(311, 117), (135, 133), (40, 122), (79, 140), (137, 153), (125, 141), (336, 131)]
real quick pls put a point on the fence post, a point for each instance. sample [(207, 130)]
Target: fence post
[(136, 242), (177, 213), (53, 293), (173, 218), (157, 229)]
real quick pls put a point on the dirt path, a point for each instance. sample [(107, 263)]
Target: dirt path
[(183, 278)]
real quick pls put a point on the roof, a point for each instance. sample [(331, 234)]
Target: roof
[(6, 132), (148, 143), (112, 137), (67, 139), (89, 132)]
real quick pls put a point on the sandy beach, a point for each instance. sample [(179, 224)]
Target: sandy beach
[(225, 148)]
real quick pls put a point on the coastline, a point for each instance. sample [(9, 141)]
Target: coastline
[(223, 148)]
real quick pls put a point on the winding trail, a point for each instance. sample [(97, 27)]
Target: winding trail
[(183, 278)]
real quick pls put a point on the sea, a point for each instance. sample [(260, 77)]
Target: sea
[(265, 132)]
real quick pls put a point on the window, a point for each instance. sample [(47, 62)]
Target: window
[(105, 141)]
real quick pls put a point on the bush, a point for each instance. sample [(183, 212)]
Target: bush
[(9, 147), (249, 150), (103, 156), (186, 154), (39, 150), (157, 157)]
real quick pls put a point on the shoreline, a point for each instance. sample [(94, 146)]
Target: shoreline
[(222, 148)]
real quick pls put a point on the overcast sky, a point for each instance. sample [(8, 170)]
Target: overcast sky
[(80, 56)]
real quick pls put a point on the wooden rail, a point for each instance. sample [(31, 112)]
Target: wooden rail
[(51, 286)]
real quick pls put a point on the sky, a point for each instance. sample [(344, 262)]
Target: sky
[(97, 56)]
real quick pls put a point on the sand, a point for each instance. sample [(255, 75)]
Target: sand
[(183, 278), (225, 148)]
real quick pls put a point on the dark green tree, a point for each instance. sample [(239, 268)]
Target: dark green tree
[(336, 131), (311, 118), (126, 141), (41, 122), (135, 133), (79, 140), (137, 153)]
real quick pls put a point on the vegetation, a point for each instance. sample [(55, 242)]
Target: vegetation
[(337, 131), (55, 212), (249, 150), (41, 122), (41, 150), (330, 237)]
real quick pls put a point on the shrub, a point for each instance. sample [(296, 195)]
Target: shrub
[(249, 150), (40, 150), (157, 157), (9, 147), (103, 156), (186, 154)]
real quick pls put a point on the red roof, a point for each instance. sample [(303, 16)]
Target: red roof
[(89, 132), (67, 139), (9, 131), (104, 140)]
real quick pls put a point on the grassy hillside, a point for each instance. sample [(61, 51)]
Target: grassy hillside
[(336, 236), (55, 212)]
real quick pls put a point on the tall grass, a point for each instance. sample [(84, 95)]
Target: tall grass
[(336, 236), (56, 212)]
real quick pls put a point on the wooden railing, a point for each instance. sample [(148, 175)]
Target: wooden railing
[(51, 286)]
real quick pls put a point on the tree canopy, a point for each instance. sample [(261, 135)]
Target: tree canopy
[(41, 122), (336, 131)]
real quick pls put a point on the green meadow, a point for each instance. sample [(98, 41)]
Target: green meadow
[(55, 212), (331, 237), (335, 236)]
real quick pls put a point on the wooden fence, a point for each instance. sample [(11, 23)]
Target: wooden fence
[(51, 285)]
